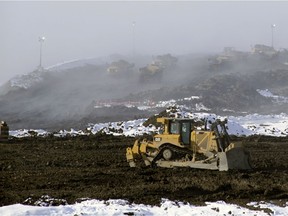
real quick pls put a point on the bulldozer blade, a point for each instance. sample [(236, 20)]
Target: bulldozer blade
[(191, 164), (235, 158)]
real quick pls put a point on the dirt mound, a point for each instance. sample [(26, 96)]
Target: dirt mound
[(95, 167), (231, 92)]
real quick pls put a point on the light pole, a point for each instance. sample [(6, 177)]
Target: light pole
[(272, 35), (133, 32), (41, 41)]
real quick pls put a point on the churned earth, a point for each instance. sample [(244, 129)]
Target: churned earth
[(75, 168)]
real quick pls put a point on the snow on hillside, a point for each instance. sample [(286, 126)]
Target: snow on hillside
[(151, 105), (122, 207), (270, 125), (276, 98), (76, 63), (27, 80)]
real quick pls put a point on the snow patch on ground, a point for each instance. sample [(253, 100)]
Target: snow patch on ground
[(122, 207), (254, 124), (128, 128), (271, 125), (28, 133)]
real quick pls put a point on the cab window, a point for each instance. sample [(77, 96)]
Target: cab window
[(174, 128)]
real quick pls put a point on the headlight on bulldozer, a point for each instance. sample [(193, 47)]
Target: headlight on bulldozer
[(157, 139)]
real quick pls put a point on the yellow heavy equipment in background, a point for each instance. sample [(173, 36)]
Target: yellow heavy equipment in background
[(182, 144), (4, 131)]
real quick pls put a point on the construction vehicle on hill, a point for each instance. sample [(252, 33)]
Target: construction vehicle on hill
[(182, 144), (4, 131), (265, 50), (153, 72), (120, 68), (227, 59)]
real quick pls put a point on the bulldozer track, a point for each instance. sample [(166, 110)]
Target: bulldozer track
[(174, 149)]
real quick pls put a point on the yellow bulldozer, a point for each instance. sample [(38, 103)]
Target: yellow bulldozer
[(181, 144)]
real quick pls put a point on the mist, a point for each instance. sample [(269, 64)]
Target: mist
[(78, 30)]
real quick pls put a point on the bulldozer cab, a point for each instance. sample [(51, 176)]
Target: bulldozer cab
[(183, 128)]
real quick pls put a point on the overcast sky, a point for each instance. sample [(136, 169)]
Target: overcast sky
[(76, 30)]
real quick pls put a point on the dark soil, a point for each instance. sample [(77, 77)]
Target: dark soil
[(95, 167)]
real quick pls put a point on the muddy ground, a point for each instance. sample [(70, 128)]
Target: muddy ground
[(95, 167)]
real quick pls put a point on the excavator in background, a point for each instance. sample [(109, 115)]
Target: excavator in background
[(182, 144), (4, 131)]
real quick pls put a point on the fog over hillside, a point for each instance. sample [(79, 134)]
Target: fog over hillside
[(82, 62), (91, 29), (75, 95)]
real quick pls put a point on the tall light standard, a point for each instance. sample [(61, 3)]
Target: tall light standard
[(41, 41), (133, 32), (272, 35)]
